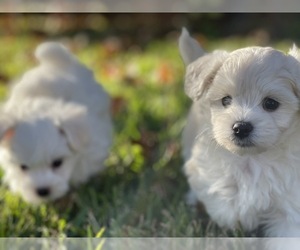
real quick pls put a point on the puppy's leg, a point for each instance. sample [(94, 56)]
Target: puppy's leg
[(219, 202), (220, 195)]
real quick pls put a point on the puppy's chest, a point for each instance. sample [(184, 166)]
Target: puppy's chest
[(251, 183)]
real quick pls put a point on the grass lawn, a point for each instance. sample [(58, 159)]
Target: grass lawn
[(142, 191)]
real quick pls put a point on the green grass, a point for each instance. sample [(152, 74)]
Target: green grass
[(142, 191)]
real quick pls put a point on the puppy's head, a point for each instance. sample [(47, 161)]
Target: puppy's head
[(253, 95), (38, 154)]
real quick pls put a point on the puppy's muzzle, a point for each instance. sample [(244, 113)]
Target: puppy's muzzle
[(242, 130)]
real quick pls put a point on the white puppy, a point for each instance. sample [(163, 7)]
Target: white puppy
[(241, 143), (55, 127)]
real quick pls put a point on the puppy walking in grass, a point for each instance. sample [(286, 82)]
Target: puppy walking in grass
[(241, 143), (55, 127)]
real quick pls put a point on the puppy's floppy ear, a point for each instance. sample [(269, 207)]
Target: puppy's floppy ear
[(74, 127), (7, 127), (189, 48), (201, 67), (200, 74)]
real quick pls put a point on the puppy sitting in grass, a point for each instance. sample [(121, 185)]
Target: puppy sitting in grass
[(55, 127), (241, 143)]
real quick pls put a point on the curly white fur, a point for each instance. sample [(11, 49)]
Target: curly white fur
[(56, 112), (256, 184)]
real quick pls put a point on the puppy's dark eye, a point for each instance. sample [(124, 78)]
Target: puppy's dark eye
[(57, 163), (24, 167), (226, 101), (270, 104)]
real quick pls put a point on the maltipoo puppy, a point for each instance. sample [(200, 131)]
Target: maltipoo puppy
[(241, 143), (55, 127)]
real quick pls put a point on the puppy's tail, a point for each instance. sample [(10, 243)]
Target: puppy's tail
[(54, 54), (189, 48)]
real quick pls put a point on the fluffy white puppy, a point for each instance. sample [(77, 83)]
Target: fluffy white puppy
[(241, 144), (55, 127)]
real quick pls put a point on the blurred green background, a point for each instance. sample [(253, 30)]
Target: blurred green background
[(135, 57)]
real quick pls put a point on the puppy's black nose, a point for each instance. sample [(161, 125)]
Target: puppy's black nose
[(43, 192), (242, 129)]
